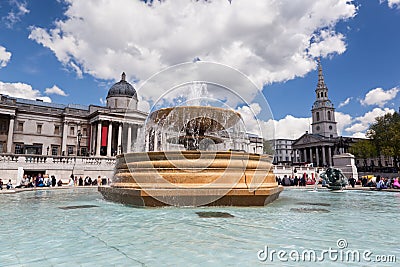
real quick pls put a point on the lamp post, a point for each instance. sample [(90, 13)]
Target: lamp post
[(79, 142)]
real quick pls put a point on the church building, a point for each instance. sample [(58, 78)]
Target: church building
[(319, 146)]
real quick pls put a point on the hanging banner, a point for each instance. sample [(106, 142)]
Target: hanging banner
[(104, 132)]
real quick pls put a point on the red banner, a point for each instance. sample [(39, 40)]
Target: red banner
[(104, 132)]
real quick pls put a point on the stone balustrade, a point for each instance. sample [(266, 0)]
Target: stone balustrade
[(61, 166)]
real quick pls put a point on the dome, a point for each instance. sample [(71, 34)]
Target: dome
[(122, 88)]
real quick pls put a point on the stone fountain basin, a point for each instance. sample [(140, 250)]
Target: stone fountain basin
[(193, 169)]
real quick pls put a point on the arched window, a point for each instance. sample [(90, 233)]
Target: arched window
[(317, 116), (329, 115)]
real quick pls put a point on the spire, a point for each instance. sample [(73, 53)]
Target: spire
[(321, 82), (123, 76)]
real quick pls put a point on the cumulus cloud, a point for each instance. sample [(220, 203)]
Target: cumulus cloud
[(343, 120), (4, 56), (55, 90), (361, 124), (289, 127), (393, 3), (22, 90), (379, 97), (269, 41), (344, 103), (19, 9)]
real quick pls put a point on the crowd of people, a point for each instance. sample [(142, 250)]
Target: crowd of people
[(40, 180), (303, 180), (381, 182)]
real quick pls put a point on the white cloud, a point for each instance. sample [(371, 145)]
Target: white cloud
[(22, 90), (393, 3), (344, 103), (267, 40), (102, 101), (362, 123), (55, 90), (343, 120), (289, 127), (4, 57), (379, 97), (14, 16)]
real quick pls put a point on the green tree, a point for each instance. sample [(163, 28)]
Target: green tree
[(385, 135), (268, 147), (363, 149)]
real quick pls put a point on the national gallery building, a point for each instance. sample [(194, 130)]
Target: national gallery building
[(40, 128)]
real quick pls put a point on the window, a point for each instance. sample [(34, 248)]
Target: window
[(20, 126), (329, 115), (39, 128), (84, 131), (57, 129), (19, 148), (317, 128), (115, 103), (84, 151), (54, 150), (72, 130), (70, 150), (317, 114), (3, 127)]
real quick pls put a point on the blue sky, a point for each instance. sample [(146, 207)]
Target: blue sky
[(73, 51)]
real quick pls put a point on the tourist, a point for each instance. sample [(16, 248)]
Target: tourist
[(80, 181), (296, 181), (104, 180), (59, 183), (71, 181), (23, 182), (380, 184), (352, 182), (9, 184), (1, 184), (94, 182), (53, 181), (99, 180), (396, 183)]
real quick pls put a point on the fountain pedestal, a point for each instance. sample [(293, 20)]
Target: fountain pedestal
[(193, 178)]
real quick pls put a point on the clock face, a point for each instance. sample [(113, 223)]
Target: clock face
[(330, 127)]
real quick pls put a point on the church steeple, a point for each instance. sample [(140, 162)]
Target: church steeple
[(323, 112)]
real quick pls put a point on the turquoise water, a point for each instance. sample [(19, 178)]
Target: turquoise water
[(55, 228)]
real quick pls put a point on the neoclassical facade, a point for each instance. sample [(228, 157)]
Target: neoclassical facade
[(40, 128)]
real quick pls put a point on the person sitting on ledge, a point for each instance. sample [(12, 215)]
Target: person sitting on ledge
[(381, 185), (9, 184), (59, 183), (396, 183), (1, 184)]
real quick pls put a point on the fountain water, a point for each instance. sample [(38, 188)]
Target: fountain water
[(194, 155)]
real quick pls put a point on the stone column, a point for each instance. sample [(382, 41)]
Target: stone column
[(109, 139), (10, 134), (98, 143), (64, 139), (92, 138), (129, 139), (119, 138), (330, 156), (311, 157), (317, 151), (323, 156)]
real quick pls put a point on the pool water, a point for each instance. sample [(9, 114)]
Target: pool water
[(76, 227)]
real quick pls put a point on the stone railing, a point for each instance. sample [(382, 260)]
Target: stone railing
[(6, 160)]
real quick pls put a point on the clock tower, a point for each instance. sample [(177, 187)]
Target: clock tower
[(323, 112)]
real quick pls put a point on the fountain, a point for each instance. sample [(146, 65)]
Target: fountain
[(187, 163), (334, 178)]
